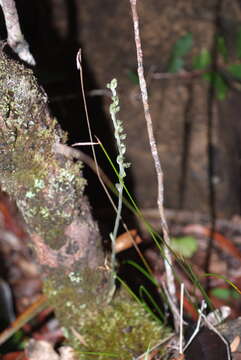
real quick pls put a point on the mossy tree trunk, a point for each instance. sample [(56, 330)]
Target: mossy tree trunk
[(48, 188), (38, 173)]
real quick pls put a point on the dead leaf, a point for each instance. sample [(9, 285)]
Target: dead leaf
[(126, 240)]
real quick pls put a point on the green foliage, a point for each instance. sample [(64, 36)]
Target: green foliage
[(181, 48), (176, 64), (201, 61), (185, 246), (235, 70), (143, 271), (204, 59), (222, 48), (219, 82), (229, 282), (144, 292), (183, 45), (225, 293)]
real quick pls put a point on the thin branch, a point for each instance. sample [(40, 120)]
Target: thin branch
[(198, 325), (154, 151), (181, 75), (181, 319), (15, 39)]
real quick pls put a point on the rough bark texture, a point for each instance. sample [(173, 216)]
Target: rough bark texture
[(47, 186), (48, 189)]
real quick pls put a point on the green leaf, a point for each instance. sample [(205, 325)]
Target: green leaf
[(176, 64), (219, 83), (221, 87), (185, 246), (238, 43), (182, 46), (225, 293), (202, 60), (221, 47), (144, 291), (221, 293), (235, 70), (143, 271)]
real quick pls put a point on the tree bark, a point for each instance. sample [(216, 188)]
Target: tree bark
[(48, 188)]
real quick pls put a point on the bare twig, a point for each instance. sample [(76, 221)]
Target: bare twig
[(198, 325), (181, 75), (173, 306), (15, 39), (144, 95), (181, 319)]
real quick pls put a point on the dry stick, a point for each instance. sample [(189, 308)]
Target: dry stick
[(71, 153), (167, 256), (181, 319), (15, 39)]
